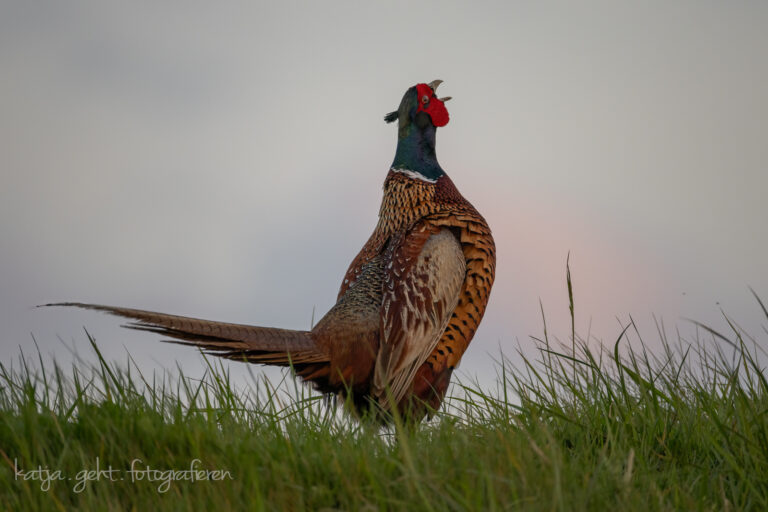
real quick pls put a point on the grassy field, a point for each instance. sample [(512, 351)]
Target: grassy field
[(576, 428)]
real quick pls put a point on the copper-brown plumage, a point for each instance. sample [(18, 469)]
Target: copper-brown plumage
[(410, 202), (409, 303)]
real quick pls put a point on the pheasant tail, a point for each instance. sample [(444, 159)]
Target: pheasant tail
[(267, 345)]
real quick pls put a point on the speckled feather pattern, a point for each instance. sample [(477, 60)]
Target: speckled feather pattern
[(422, 279), (405, 203)]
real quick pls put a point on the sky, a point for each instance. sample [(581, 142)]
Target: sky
[(226, 162)]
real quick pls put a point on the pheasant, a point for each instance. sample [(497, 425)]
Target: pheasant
[(409, 303)]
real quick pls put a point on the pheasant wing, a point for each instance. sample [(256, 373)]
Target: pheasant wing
[(423, 274)]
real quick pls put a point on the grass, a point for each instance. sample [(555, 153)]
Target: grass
[(575, 428)]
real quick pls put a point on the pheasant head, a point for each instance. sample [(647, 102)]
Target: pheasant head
[(420, 113)]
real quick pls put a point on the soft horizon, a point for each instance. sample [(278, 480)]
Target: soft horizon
[(226, 163)]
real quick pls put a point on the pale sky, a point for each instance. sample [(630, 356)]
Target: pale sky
[(226, 162)]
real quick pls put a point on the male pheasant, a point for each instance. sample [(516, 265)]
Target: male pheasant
[(409, 304)]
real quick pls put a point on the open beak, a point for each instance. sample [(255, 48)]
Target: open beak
[(434, 85)]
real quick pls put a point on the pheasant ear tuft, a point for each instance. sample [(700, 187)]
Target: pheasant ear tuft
[(391, 117)]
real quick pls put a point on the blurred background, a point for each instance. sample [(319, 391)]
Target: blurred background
[(226, 162)]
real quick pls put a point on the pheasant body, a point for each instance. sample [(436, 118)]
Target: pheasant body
[(408, 305), (408, 202)]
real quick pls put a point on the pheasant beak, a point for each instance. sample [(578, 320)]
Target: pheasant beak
[(434, 84)]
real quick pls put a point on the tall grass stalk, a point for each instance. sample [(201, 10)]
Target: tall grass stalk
[(582, 426)]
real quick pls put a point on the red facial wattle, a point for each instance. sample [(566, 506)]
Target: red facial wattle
[(433, 106)]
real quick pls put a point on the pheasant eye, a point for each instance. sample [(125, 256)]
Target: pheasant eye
[(424, 99)]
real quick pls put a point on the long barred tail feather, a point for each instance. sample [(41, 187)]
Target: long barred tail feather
[(250, 343)]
